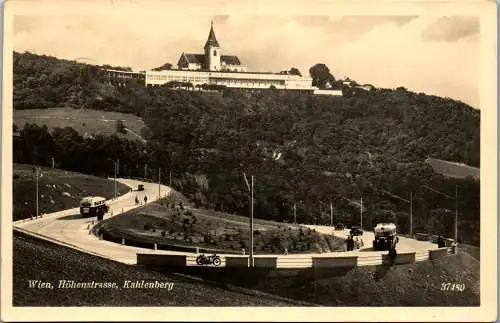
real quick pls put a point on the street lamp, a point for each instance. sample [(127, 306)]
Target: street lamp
[(456, 205), (407, 201), (361, 198), (250, 189), (331, 211)]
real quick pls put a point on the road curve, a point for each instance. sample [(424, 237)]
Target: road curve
[(68, 228)]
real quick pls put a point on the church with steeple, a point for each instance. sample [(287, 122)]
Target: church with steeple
[(212, 59), (214, 68)]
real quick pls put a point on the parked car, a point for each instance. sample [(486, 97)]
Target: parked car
[(339, 226), (356, 231), (140, 187)]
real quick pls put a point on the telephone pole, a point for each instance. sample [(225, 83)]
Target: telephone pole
[(251, 231), (456, 213), (37, 170), (250, 189), (361, 210), (411, 214), (331, 214), (159, 180), (294, 213), (115, 164)]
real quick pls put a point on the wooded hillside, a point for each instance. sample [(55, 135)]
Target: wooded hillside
[(302, 149)]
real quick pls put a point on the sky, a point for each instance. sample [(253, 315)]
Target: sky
[(432, 54)]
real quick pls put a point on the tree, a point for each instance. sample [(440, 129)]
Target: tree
[(166, 66), (321, 76), (294, 71)]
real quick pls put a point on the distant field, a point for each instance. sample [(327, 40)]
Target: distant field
[(160, 223), (452, 169), (58, 190), (85, 121)]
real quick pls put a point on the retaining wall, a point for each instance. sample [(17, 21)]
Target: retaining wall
[(401, 258), (438, 253), (161, 260), (335, 262)]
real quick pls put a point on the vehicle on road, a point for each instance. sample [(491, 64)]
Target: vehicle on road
[(356, 231), (386, 236), (140, 187), (339, 226), (93, 206), (208, 260)]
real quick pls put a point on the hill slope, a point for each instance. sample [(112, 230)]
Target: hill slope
[(85, 121), (58, 189), (45, 261), (305, 151)]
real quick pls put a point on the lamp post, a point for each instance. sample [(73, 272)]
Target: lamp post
[(361, 199), (407, 201), (331, 211), (250, 189), (159, 181), (456, 206)]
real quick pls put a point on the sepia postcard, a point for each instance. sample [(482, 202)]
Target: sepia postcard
[(249, 161)]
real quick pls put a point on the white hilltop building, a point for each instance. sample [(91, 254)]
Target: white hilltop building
[(212, 68)]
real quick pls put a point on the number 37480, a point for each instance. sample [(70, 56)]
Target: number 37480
[(452, 287)]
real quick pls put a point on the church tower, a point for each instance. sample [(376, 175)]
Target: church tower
[(212, 51)]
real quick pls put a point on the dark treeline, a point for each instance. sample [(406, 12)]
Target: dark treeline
[(303, 149)]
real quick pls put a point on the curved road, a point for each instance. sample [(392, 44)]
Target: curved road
[(69, 229)]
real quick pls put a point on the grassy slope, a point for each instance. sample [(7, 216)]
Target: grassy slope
[(76, 184), (50, 262), (452, 169), (226, 231), (85, 121)]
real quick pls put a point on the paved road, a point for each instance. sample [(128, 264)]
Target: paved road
[(70, 229), (404, 245)]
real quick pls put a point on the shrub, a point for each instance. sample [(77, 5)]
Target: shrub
[(147, 226), (163, 233)]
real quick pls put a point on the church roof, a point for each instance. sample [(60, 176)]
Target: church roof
[(200, 59), (230, 60), (195, 58), (211, 41)]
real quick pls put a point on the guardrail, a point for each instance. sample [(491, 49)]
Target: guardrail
[(297, 262)]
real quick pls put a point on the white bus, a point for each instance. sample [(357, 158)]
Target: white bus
[(93, 206)]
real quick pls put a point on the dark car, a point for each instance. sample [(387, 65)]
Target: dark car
[(356, 231), (140, 187), (339, 226)]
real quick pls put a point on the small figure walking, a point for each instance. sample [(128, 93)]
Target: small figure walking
[(145, 199), (136, 200)]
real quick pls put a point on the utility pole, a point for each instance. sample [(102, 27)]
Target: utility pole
[(145, 171), (53, 162), (170, 178), (250, 189), (331, 214), (37, 170), (456, 213), (159, 180), (114, 163), (251, 231), (411, 214), (118, 167), (294, 213), (361, 225)]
